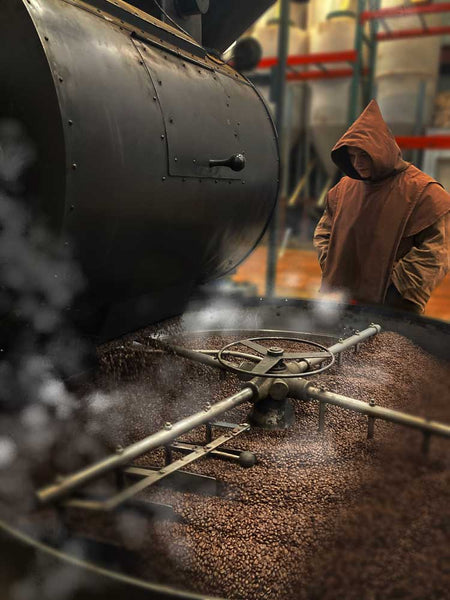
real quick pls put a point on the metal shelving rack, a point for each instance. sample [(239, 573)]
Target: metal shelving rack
[(370, 12), (319, 60)]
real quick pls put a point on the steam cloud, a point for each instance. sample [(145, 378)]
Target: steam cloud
[(38, 346)]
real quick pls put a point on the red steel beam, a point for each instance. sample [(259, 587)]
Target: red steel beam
[(409, 33), (422, 142), (266, 63), (311, 59), (402, 11), (316, 74)]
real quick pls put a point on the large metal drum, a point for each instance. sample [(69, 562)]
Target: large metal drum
[(126, 114)]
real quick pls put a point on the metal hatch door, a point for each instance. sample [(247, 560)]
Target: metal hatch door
[(200, 123)]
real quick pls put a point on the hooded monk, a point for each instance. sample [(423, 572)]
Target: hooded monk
[(385, 234)]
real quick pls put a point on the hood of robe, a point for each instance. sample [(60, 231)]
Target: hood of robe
[(370, 133)]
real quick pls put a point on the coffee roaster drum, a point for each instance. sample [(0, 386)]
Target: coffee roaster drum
[(157, 162)]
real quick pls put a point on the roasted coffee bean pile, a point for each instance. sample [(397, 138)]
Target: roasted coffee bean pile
[(329, 515), (320, 516)]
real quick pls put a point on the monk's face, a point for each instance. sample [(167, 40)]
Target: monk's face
[(361, 161)]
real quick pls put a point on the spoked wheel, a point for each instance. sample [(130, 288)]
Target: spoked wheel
[(271, 360)]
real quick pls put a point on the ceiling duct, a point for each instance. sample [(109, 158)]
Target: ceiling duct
[(226, 20), (216, 24)]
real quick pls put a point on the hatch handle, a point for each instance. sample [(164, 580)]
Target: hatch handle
[(236, 162)]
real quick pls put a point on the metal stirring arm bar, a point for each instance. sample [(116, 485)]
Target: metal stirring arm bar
[(302, 390), (204, 356)]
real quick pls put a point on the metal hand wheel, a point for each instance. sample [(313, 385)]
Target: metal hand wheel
[(273, 359)]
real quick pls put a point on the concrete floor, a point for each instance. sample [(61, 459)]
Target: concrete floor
[(298, 276)]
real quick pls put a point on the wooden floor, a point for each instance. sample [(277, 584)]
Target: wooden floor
[(298, 276)]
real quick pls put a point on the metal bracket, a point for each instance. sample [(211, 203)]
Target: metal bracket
[(224, 454), (148, 477)]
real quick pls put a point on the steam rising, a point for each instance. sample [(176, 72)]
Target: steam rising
[(328, 309), (39, 281), (220, 313), (8, 452), (17, 153)]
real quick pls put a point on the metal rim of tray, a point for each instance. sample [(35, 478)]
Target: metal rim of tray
[(171, 592)]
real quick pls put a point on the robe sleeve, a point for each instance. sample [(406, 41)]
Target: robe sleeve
[(322, 237), (417, 274), (322, 232), (433, 204)]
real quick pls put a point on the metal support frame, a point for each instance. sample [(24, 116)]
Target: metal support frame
[(307, 168), (148, 477), (370, 424), (283, 46), (322, 411), (371, 43), (356, 81), (125, 456)]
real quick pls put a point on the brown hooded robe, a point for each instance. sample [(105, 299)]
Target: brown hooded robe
[(391, 229)]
